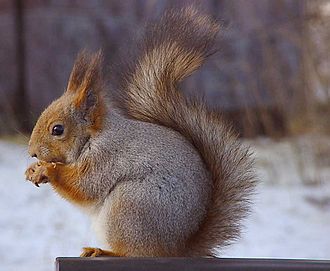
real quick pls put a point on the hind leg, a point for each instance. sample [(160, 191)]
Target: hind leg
[(97, 252)]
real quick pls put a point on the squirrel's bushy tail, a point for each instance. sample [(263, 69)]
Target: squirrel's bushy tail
[(171, 50)]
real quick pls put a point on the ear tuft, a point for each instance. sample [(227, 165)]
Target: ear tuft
[(85, 81), (86, 72)]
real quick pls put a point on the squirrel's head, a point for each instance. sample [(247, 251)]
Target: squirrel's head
[(65, 127)]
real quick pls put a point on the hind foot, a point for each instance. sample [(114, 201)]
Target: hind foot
[(97, 252)]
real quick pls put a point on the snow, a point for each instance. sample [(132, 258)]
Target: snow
[(290, 219), (287, 223)]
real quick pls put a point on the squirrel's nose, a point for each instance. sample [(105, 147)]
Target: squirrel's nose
[(32, 152)]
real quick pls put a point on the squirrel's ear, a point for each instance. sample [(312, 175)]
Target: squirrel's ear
[(78, 72), (85, 81)]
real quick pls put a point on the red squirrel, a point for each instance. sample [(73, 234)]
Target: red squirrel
[(159, 174)]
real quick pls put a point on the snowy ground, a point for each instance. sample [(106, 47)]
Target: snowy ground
[(291, 215)]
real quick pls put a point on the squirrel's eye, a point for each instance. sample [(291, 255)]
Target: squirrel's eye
[(58, 130)]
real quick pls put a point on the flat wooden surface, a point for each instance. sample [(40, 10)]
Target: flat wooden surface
[(188, 264)]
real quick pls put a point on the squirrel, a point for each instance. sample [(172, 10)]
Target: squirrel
[(159, 174)]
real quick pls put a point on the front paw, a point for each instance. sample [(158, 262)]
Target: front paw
[(37, 173)]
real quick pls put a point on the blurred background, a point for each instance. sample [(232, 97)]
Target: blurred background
[(271, 79)]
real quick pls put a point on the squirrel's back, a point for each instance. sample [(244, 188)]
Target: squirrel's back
[(162, 188)]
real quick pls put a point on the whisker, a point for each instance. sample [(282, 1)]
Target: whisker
[(21, 133)]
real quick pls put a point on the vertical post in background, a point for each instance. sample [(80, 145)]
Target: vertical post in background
[(20, 105)]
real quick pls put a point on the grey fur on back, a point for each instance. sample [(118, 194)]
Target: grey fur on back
[(156, 188)]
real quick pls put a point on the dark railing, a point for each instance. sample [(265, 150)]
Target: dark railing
[(188, 264)]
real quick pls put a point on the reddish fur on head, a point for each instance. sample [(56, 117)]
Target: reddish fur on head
[(80, 110)]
